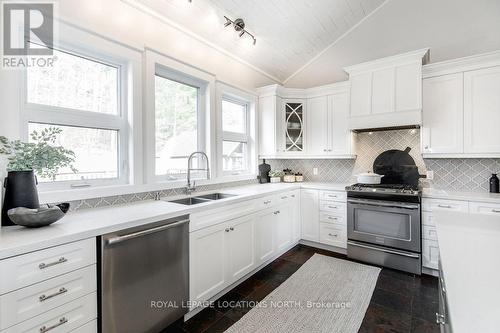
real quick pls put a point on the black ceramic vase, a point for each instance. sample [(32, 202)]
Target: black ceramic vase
[(20, 191)]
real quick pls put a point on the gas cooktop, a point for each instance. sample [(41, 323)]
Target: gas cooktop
[(398, 189)]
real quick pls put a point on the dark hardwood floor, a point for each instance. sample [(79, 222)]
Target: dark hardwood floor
[(400, 303)]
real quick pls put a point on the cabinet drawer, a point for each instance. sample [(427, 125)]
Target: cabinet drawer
[(287, 196), (31, 301), (26, 269), (65, 318), (430, 253), (90, 327), (430, 205), (331, 218), (485, 208), (265, 202), (332, 234), (333, 195), (337, 208), (429, 232)]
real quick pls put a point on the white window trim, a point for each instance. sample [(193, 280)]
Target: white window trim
[(227, 92), (159, 64), (128, 62)]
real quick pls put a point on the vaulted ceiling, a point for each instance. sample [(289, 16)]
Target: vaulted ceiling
[(289, 32), (303, 43)]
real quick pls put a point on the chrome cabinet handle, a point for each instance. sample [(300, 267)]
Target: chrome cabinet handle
[(332, 218), (333, 235), (333, 207), (439, 319), (332, 196), (444, 206), (293, 195), (267, 202), (226, 230), (284, 197), (62, 321), (231, 229), (60, 261), (44, 297), (495, 210), (325, 150), (276, 212)]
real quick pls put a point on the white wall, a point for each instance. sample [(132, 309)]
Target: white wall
[(451, 28)]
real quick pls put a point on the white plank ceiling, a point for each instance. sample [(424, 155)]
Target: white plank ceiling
[(289, 32)]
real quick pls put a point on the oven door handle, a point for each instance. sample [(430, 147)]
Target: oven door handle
[(382, 204), (401, 253)]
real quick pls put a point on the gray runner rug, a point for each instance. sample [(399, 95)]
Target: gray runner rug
[(325, 295)]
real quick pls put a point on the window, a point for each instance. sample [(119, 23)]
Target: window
[(176, 125), (84, 97), (235, 137)]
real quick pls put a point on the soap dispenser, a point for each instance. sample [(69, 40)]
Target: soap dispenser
[(494, 183)]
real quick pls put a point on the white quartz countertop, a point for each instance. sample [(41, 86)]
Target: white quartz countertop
[(93, 222), (469, 247), (466, 196)]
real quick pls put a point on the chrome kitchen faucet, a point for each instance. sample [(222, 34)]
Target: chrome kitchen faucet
[(191, 188)]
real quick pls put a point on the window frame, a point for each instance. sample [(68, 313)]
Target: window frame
[(166, 67), (56, 115), (237, 96)]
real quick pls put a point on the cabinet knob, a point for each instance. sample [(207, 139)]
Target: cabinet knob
[(232, 229), (227, 230)]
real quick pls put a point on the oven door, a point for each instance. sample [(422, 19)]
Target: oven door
[(387, 223)]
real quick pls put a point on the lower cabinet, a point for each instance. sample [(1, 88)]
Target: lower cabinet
[(224, 253), (309, 210)]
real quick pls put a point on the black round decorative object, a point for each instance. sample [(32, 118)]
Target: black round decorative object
[(494, 183), (20, 191), (397, 166)]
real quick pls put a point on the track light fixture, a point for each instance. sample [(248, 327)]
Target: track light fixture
[(239, 26)]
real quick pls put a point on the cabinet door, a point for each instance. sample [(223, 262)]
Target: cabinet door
[(207, 259), (264, 243), (361, 94), (430, 253), (267, 125), (283, 227), (408, 83), (383, 91), (309, 211), (296, 216), (482, 110), (240, 238), (339, 134), (443, 109), (293, 125), (317, 126)]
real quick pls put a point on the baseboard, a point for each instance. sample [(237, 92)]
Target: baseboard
[(323, 246), (195, 311)]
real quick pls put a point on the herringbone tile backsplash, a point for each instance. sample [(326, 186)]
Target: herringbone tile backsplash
[(451, 174)]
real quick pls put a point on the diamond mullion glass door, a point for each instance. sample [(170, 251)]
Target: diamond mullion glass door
[(294, 131)]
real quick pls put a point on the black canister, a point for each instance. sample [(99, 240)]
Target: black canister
[(494, 184), (264, 169)]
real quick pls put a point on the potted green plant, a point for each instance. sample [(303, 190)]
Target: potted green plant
[(25, 160), (276, 175)]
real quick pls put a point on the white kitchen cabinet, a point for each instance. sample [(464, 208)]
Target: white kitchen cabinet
[(283, 227), (264, 235), (482, 111), (430, 254), (270, 126), (293, 114), (318, 127), (339, 135), (386, 92), (208, 259), (296, 220), (240, 251), (309, 210), (443, 108)]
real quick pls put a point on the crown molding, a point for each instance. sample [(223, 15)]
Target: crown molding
[(284, 92), (420, 55), (458, 65)]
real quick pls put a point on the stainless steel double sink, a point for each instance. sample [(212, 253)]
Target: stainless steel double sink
[(202, 198)]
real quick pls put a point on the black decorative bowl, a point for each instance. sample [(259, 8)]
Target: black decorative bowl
[(36, 218)]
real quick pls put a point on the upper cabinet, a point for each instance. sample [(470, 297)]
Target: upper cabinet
[(461, 108), (304, 123), (387, 92)]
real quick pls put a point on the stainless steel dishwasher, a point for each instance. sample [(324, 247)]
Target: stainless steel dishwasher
[(144, 277)]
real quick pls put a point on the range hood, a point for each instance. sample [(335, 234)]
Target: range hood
[(387, 92), (382, 129)]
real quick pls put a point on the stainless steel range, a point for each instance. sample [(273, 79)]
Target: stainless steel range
[(384, 220)]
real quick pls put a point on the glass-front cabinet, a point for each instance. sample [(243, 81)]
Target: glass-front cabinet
[(293, 111)]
